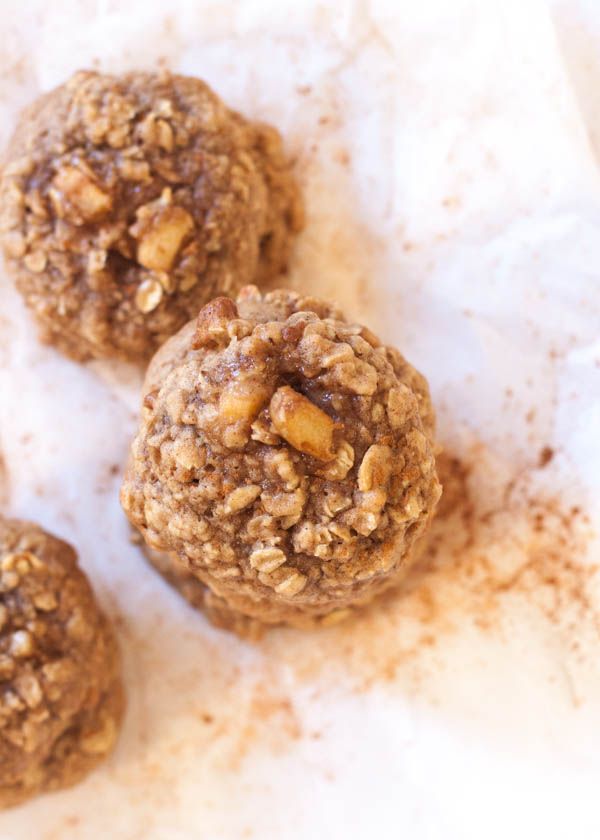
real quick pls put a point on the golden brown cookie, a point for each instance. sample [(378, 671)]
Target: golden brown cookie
[(61, 697), (129, 201), (284, 456)]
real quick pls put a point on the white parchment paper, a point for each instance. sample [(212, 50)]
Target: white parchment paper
[(447, 152)]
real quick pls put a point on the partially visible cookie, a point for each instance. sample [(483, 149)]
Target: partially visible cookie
[(61, 697), (129, 201)]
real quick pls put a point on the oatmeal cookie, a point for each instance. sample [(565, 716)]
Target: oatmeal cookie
[(129, 201), (284, 458), (61, 698), (201, 596)]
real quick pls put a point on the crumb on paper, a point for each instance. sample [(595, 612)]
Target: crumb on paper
[(546, 455)]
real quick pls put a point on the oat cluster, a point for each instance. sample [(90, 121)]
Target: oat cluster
[(61, 698), (285, 457), (128, 202)]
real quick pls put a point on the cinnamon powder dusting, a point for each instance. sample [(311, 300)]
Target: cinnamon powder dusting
[(502, 550), (524, 543)]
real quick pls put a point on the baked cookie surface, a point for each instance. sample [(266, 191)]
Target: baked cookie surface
[(61, 697), (284, 457), (129, 201)]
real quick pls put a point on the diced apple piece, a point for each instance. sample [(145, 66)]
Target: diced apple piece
[(162, 240), (305, 426), (82, 192)]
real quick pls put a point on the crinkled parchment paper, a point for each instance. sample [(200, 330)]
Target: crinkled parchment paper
[(448, 157)]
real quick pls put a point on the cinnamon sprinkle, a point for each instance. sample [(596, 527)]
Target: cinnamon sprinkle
[(501, 551)]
